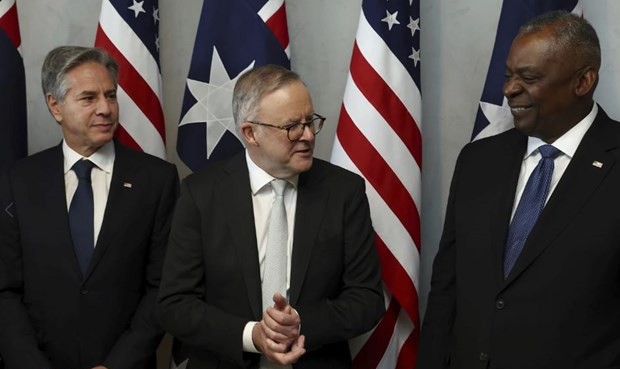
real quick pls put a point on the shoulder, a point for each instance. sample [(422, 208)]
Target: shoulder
[(37, 162), (323, 172), (143, 160)]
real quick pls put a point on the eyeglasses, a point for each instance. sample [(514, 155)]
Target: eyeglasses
[(294, 131)]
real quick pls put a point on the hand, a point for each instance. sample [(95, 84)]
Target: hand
[(281, 323), (275, 352)]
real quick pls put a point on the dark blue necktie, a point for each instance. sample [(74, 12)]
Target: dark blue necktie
[(530, 206), (81, 212)]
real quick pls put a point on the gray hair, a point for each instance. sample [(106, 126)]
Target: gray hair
[(63, 59), (256, 83), (571, 33)]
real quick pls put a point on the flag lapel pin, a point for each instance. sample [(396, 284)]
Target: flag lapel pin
[(127, 185), (597, 164)]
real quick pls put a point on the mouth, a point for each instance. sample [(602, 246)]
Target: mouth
[(519, 109)]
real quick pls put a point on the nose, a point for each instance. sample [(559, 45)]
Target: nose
[(104, 106), (511, 87), (307, 134)]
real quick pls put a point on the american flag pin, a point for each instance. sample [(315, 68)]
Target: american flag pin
[(127, 185), (597, 164)]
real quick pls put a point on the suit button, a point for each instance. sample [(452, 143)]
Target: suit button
[(484, 356), (83, 292), (499, 304)]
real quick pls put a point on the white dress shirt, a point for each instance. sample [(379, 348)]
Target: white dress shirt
[(567, 144), (101, 176), (262, 200)]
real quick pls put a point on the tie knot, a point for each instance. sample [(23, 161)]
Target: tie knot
[(278, 186), (548, 151), (82, 169)]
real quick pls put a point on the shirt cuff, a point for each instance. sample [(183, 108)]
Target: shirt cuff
[(248, 344)]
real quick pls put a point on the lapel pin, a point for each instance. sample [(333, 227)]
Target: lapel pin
[(127, 185), (597, 164)]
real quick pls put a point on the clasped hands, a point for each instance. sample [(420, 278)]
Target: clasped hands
[(277, 335)]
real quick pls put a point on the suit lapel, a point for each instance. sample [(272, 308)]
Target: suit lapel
[(240, 219), (507, 175), (579, 181), (120, 205), (311, 203), (53, 194)]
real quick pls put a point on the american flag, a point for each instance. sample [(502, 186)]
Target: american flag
[(13, 131), (379, 137), (493, 115), (232, 37), (129, 31)]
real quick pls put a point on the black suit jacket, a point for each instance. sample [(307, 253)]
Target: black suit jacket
[(560, 306), (51, 317), (211, 285)]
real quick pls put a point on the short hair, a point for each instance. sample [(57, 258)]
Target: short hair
[(256, 83), (572, 33), (63, 59)]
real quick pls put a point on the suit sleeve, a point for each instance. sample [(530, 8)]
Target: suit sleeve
[(359, 305), (18, 343), (436, 333), (139, 342), (185, 314)]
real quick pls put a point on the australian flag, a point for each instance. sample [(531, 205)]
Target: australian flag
[(233, 37), (13, 135), (493, 114)]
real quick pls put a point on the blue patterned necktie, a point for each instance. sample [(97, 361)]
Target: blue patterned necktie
[(81, 213), (530, 206)]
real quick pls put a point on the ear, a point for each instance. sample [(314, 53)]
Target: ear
[(54, 106), (586, 81), (248, 133)]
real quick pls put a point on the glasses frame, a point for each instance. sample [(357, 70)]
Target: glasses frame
[(288, 127)]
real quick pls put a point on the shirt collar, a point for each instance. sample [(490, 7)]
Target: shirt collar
[(569, 141), (259, 178), (102, 158)]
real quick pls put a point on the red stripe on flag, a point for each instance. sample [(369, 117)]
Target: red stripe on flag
[(387, 103), (126, 139), (409, 352), (10, 25), (135, 86), (277, 25), (398, 281), (376, 170), (373, 349)]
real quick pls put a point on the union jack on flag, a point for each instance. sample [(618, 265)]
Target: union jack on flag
[(232, 37), (379, 137), (129, 31), (493, 115), (13, 127)]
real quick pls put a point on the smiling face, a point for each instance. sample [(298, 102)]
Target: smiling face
[(88, 114), (544, 86), (269, 147)]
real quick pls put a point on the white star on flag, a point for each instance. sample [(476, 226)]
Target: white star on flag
[(390, 19), (155, 15), (213, 102), (137, 8), (414, 25), (415, 56), (499, 117)]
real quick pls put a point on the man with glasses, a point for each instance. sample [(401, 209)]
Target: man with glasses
[(271, 258)]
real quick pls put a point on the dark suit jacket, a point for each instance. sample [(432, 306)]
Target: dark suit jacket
[(560, 306), (51, 317), (211, 284)]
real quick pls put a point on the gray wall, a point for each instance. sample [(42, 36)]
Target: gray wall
[(457, 38)]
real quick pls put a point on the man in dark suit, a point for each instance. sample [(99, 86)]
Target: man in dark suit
[(63, 306), (548, 297), (216, 292)]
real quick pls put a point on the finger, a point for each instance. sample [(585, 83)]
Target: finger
[(286, 338), (280, 302), (291, 357), (283, 318)]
